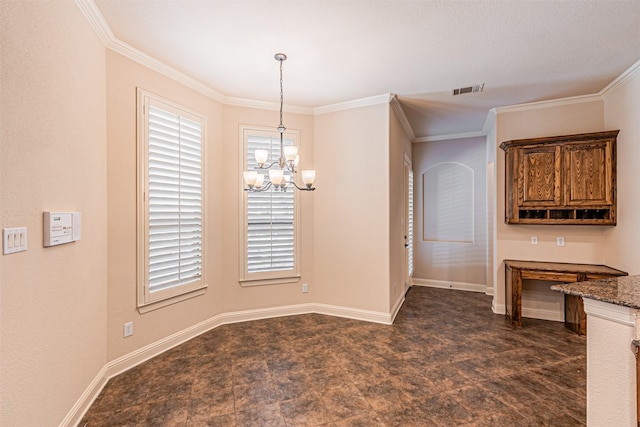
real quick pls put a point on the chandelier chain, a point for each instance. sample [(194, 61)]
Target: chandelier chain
[(281, 95)]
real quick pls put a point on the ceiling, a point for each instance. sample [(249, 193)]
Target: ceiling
[(345, 50)]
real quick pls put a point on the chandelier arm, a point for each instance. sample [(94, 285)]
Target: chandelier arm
[(265, 187), (267, 167), (302, 188)]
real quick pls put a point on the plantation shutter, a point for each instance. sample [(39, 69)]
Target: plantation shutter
[(270, 216), (174, 200)]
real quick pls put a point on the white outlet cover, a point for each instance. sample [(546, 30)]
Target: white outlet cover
[(128, 329), (560, 241), (534, 240)]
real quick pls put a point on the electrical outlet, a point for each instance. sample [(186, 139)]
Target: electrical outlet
[(128, 329), (560, 241), (534, 240), (305, 288)]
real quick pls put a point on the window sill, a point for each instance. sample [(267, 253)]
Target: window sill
[(273, 281), (172, 300)]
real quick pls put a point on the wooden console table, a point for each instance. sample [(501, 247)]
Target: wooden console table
[(574, 315)]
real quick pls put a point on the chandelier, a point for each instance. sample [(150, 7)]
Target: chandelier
[(288, 161)]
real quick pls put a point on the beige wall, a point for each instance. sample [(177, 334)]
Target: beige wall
[(399, 147), (233, 296), (463, 263), (52, 157), (351, 208), (621, 111), (583, 244), (123, 77)]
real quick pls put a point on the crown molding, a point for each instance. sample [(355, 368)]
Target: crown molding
[(404, 122), (160, 67), (265, 105), (104, 33), (549, 103), (462, 135), (349, 105), (493, 112), (96, 20), (102, 29), (628, 74)]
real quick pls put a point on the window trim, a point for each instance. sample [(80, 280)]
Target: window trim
[(145, 301), (271, 277)]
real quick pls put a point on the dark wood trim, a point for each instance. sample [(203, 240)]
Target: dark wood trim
[(579, 137)]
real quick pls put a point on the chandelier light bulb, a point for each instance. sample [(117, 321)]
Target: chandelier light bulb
[(290, 152), (261, 157), (250, 178), (308, 177), (259, 181), (275, 176)]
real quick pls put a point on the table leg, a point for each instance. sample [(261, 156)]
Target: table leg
[(513, 296)]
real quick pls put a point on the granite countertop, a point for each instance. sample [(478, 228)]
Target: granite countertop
[(623, 290)]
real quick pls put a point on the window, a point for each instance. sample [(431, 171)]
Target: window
[(269, 246), (170, 202), (448, 203)]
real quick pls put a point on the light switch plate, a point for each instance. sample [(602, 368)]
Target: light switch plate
[(14, 240)]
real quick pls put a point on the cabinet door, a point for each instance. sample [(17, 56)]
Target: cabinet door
[(540, 177), (588, 171)]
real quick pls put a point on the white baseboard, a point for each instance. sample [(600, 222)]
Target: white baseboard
[(397, 306), (489, 291), (87, 398), (459, 286), (532, 313), (128, 361), (353, 313), (145, 353), (536, 313)]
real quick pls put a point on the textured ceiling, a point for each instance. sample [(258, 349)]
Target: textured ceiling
[(523, 51)]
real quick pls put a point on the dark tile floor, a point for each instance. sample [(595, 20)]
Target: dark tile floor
[(446, 361)]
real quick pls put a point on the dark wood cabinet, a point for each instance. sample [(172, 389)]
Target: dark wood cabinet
[(569, 179)]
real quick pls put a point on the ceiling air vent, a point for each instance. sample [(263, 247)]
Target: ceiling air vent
[(468, 89)]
